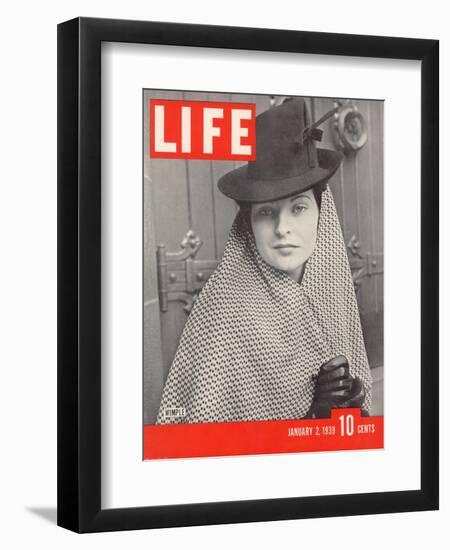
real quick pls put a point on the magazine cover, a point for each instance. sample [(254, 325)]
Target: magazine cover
[(263, 274)]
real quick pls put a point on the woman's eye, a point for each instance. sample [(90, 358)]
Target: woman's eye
[(266, 211), (298, 208)]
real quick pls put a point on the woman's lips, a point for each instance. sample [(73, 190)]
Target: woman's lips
[(285, 249), (281, 246)]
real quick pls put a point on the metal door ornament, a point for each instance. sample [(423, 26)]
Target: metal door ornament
[(350, 127)]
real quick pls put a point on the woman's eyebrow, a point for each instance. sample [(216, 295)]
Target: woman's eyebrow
[(302, 195)]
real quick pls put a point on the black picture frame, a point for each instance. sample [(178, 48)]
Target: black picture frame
[(79, 274)]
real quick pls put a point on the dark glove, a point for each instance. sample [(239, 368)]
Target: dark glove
[(335, 388)]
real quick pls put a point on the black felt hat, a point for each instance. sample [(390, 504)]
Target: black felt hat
[(287, 160)]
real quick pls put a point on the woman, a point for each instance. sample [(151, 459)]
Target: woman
[(275, 333)]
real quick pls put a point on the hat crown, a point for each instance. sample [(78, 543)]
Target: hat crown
[(281, 151), (287, 161)]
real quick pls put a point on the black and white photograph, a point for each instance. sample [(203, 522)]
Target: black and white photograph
[(263, 280)]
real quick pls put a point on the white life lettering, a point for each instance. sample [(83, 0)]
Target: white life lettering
[(185, 129), (209, 130), (161, 145), (237, 132)]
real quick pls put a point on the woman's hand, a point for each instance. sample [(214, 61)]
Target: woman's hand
[(335, 388)]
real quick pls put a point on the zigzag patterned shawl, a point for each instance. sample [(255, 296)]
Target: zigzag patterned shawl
[(255, 338)]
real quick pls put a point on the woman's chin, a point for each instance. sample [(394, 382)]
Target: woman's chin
[(291, 268)]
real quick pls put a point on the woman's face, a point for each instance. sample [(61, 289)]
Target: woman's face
[(286, 231)]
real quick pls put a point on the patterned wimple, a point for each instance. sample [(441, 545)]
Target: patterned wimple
[(256, 338)]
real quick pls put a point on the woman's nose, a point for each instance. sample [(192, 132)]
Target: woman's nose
[(282, 225)]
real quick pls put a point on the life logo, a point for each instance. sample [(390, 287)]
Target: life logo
[(202, 130)]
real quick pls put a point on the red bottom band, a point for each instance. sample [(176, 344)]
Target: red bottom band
[(345, 430)]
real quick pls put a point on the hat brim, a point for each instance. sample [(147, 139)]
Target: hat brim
[(238, 186)]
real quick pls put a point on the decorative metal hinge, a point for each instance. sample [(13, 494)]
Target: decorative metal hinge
[(363, 265), (180, 276)]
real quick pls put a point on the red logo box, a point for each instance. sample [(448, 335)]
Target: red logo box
[(203, 130)]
